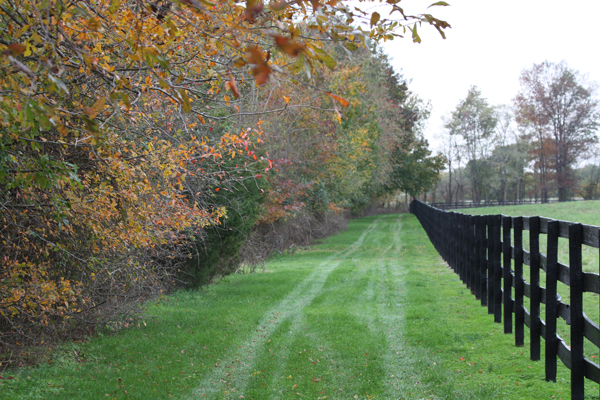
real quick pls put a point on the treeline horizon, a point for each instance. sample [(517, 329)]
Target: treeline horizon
[(543, 145)]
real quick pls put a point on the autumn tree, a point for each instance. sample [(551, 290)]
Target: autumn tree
[(561, 112)]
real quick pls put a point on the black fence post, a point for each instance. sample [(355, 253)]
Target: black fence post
[(490, 263), (471, 252), (446, 226), (482, 266), (452, 241), (519, 283), (507, 274), (534, 281), (497, 262), (461, 249), (477, 256), (577, 321), (551, 300)]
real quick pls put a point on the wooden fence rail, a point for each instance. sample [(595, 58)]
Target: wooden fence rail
[(478, 248)]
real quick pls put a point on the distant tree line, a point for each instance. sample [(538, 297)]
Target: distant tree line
[(541, 147)]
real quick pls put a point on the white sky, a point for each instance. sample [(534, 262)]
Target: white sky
[(489, 44)]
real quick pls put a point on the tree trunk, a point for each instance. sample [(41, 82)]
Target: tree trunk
[(450, 182), (505, 186)]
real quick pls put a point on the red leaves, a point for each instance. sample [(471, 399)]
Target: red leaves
[(253, 9), (260, 68), (288, 46), (15, 49), (233, 87)]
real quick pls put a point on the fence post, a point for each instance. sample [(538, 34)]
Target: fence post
[(577, 321), (452, 258), (482, 266), (507, 275), (476, 256), (534, 280), (551, 300), (497, 262), (490, 263), (462, 272), (471, 252), (519, 283), (446, 240)]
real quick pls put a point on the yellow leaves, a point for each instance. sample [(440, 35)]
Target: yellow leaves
[(94, 24), (114, 6), (28, 293), (21, 31), (98, 106), (185, 100), (338, 116)]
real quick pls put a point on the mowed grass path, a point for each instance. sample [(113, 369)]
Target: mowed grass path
[(372, 313)]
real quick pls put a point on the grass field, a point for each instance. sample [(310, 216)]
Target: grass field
[(372, 313), (584, 212)]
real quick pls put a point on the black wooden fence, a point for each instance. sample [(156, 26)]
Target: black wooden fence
[(478, 248)]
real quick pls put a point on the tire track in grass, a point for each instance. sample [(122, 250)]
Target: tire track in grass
[(385, 292), (373, 281), (397, 361), (384, 317), (232, 373)]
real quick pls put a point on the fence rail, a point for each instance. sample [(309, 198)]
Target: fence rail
[(478, 248), (476, 204)]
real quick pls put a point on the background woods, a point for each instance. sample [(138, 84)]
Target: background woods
[(533, 149), (149, 144)]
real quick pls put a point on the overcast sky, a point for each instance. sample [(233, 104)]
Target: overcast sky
[(489, 44)]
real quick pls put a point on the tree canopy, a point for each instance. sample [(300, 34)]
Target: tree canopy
[(475, 121)]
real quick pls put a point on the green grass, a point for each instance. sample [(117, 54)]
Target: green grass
[(372, 313), (585, 212)]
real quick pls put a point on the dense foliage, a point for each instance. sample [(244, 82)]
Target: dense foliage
[(141, 143)]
